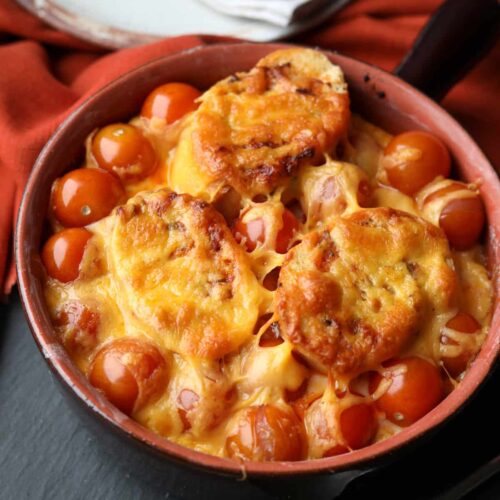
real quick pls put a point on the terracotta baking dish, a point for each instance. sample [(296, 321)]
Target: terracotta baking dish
[(378, 96)]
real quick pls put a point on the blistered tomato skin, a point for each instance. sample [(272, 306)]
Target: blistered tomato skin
[(123, 150), (85, 195), (463, 323), (267, 433), (414, 389), (130, 373), (63, 252), (413, 159), (170, 102)]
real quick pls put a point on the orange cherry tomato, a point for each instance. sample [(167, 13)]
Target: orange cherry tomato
[(413, 159), (415, 389), (464, 323), (462, 220), (63, 253), (122, 149), (253, 232), (170, 102), (358, 425), (267, 433), (85, 195), (79, 326), (130, 373)]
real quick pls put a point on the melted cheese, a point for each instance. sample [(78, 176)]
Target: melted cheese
[(166, 268)]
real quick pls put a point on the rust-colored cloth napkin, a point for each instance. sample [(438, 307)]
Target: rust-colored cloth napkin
[(44, 74)]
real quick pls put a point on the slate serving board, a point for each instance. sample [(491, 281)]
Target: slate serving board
[(46, 452)]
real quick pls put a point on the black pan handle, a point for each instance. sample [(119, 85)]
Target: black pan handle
[(458, 35)]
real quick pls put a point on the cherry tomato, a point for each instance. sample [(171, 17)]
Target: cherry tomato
[(267, 433), (415, 389), (413, 159), (123, 149), (63, 253), (462, 220), (464, 323), (85, 195), (254, 232), (79, 325), (358, 425), (251, 232), (338, 449), (271, 337), (170, 102), (130, 373), (186, 401)]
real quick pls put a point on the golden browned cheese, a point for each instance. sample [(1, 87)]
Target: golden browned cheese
[(254, 130), (181, 273), (351, 295)]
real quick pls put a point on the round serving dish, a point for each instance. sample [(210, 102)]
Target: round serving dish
[(381, 98)]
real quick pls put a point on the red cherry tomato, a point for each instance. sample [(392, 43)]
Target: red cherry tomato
[(79, 326), (464, 323), (415, 389), (85, 195), (63, 253), (253, 232), (358, 425), (462, 220), (267, 433), (122, 149), (130, 373), (170, 102), (413, 159)]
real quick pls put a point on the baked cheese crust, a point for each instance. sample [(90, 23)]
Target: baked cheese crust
[(180, 273), (353, 294), (254, 130)]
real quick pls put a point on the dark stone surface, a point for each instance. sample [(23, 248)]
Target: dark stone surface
[(46, 452)]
